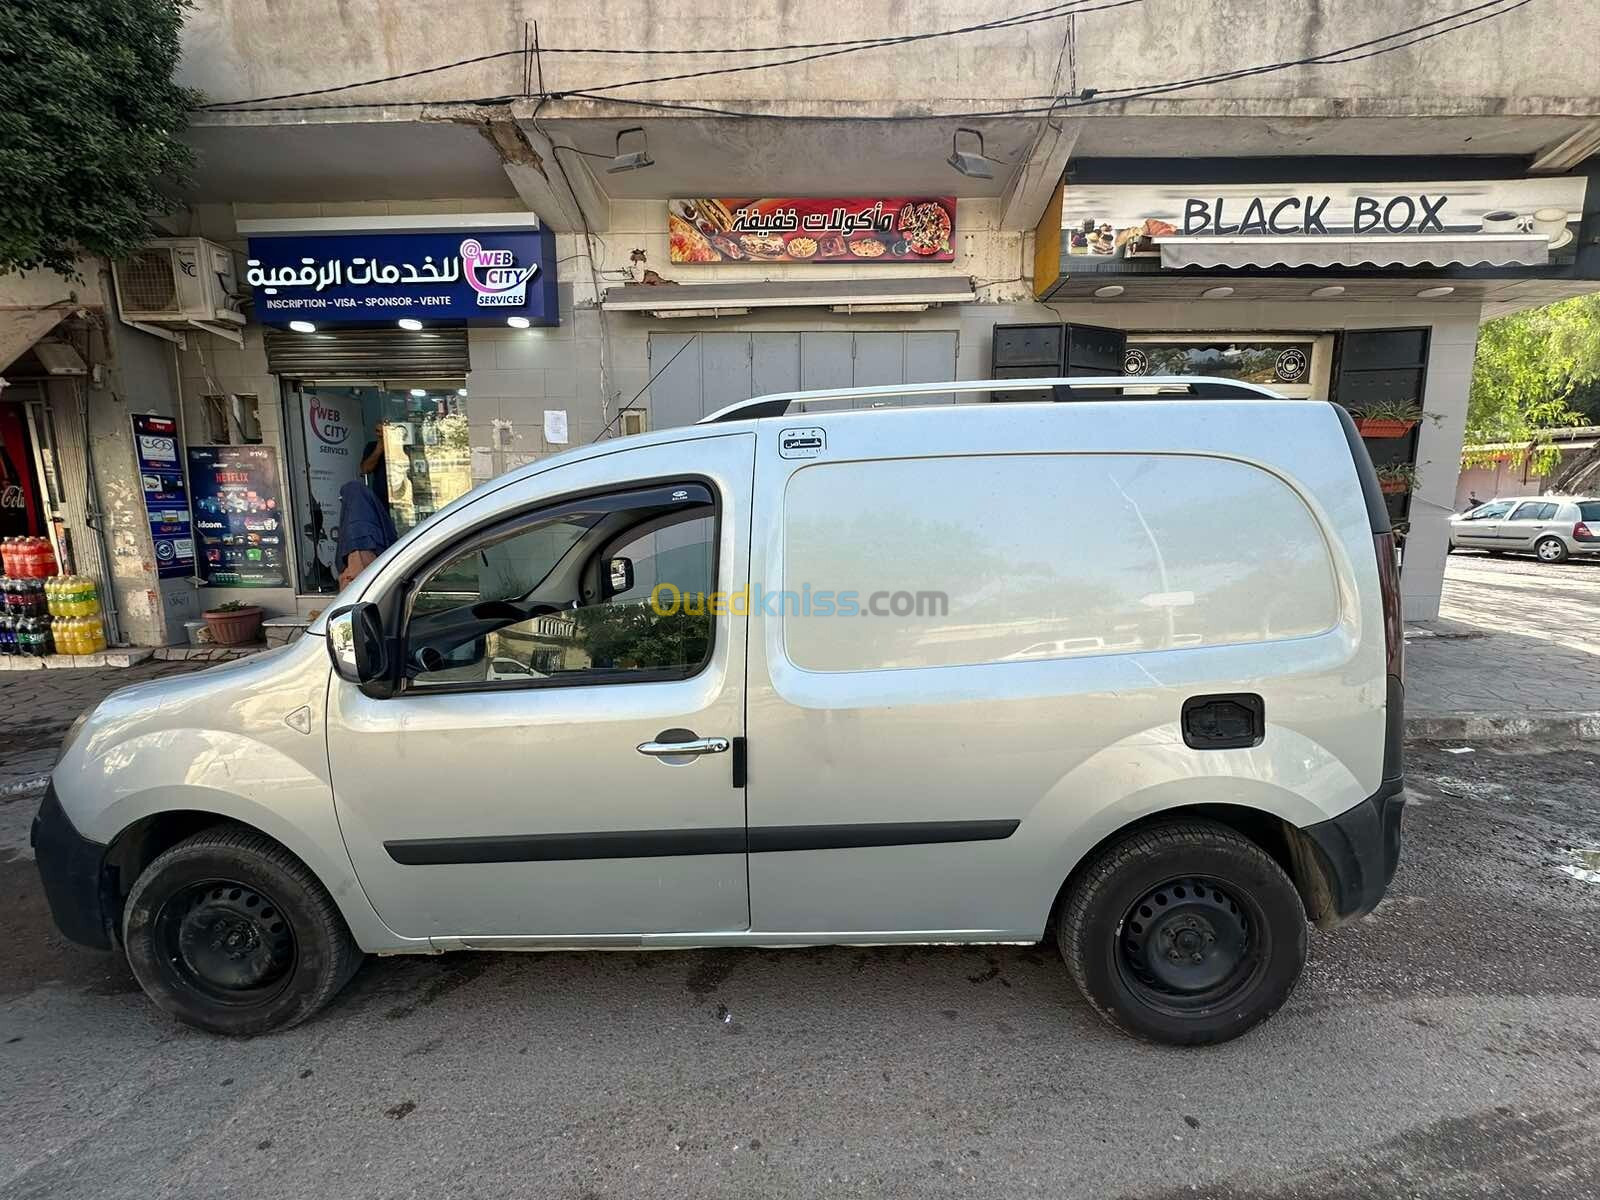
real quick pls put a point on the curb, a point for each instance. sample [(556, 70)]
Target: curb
[(1499, 727)]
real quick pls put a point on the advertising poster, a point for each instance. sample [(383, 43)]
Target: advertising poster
[(334, 441), (238, 516), (166, 501), (800, 230)]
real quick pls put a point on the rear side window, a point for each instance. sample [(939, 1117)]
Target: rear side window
[(1589, 510), (1010, 558), (1534, 510)]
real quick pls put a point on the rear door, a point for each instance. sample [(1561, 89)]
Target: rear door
[(1527, 521)]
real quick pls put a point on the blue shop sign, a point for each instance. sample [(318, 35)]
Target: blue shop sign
[(378, 278)]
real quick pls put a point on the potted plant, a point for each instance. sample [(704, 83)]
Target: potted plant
[(234, 623), (1386, 418), (1397, 477)]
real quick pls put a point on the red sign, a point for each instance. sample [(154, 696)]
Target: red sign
[(803, 230)]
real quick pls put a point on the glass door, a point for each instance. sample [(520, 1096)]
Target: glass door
[(405, 439)]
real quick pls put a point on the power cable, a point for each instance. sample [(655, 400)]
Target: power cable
[(1029, 17), (628, 407)]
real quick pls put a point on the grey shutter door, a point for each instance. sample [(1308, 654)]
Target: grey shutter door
[(724, 370), (880, 360), (774, 363), (675, 397), (825, 363), (931, 358), (439, 351)]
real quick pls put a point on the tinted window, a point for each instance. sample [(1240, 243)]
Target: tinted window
[(988, 559), (534, 607), (1483, 512), (1589, 510), (1532, 510)]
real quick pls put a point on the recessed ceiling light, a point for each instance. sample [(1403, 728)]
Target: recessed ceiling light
[(518, 322), (461, 391), (419, 392), (1111, 289), (1216, 293), (1434, 293), (1333, 289), (410, 323), (302, 326)]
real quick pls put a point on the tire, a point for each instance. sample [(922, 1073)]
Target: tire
[(1551, 550), (1232, 927), (229, 932)]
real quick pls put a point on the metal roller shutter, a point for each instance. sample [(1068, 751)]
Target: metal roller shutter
[(369, 353)]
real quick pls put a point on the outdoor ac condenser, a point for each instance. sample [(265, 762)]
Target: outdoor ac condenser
[(178, 281)]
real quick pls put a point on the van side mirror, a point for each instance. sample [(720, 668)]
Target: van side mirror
[(619, 577), (356, 644)]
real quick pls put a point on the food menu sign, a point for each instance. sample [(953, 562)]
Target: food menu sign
[(166, 500), (803, 230), (238, 516)]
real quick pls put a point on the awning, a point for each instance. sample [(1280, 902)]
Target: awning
[(20, 328), (1376, 250), (857, 295)]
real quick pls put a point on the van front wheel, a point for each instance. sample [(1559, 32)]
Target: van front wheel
[(1185, 933), (229, 932)]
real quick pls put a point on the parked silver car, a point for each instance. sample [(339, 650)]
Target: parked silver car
[(1552, 527), (772, 680)]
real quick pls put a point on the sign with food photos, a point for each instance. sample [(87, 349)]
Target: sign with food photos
[(813, 229)]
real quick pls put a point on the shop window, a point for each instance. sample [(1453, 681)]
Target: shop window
[(615, 593)]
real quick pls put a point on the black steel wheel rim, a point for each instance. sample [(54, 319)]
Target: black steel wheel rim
[(1190, 944), (226, 940)]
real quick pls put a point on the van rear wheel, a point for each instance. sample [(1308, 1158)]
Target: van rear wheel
[(1185, 933), (229, 932)]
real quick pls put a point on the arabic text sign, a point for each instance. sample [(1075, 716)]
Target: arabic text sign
[(166, 500), (802, 230), (238, 516), (381, 277)]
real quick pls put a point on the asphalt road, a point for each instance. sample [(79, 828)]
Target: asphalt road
[(1446, 1046)]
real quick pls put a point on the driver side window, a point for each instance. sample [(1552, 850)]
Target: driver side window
[(538, 605)]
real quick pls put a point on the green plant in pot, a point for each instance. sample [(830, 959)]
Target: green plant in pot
[(234, 623), (1397, 477), (1386, 418)]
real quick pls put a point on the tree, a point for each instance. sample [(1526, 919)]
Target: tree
[(90, 127), (1530, 369)]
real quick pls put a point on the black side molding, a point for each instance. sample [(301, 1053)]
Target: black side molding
[(664, 843), (71, 867)]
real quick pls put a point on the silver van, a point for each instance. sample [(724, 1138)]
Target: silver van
[(1123, 670)]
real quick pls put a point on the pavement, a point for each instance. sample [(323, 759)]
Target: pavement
[(1446, 1046), (1516, 652)]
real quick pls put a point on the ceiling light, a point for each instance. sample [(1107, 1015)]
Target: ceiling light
[(1216, 293), (461, 391), (1111, 289), (302, 326), (1331, 290), (976, 166), (1434, 293), (632, 160), (410, 323), (419, 392), (518, 322)]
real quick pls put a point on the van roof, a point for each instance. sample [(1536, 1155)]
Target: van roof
[(1092, 387)]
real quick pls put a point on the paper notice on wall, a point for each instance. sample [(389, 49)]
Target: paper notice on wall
[(555, 426)]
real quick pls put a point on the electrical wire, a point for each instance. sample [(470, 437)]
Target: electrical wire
[(1050, 12), (628, 407)]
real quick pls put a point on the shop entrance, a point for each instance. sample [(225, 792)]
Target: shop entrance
[(31, 503), (406, 439)]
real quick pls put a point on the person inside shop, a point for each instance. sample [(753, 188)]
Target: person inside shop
[(365, 530), (376, 469)]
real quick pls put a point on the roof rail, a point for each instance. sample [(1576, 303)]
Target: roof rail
[(1096, 387)]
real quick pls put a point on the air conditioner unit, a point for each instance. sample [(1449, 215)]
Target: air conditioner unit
[(178, 281)]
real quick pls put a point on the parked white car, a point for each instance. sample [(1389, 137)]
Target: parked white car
[(1552, 527), (1127, 670)]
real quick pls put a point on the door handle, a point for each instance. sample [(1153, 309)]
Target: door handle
[(709, 745)]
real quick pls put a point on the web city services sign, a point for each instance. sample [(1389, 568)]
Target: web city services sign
[(379, 278)]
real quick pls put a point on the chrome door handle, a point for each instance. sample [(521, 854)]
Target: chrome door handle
[(710, 745)]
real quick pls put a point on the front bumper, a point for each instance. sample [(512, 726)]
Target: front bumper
[(72, 869), (1358, 851)]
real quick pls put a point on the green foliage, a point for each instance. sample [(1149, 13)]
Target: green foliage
[(635, 636), (1389, 409), (1403, 473), (90, 123), (1530, 368)]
